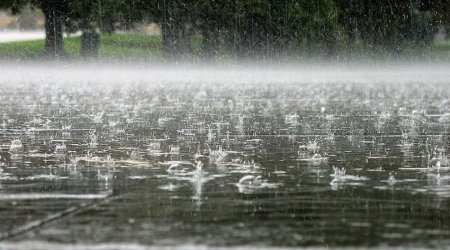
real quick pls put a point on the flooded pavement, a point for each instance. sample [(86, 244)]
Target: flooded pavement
[(241, 160)]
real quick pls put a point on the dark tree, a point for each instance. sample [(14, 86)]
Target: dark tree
[(55, 12), (267, 28), (250, 28), (390, 25), (174, 18), (84, 16)]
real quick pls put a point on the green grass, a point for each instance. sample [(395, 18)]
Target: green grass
[(442, 48), (22, 50), (115, 46), (120, 46), (149, 48)]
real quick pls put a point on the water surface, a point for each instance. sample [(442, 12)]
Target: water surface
[(254, 158)]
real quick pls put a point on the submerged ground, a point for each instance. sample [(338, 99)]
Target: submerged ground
[(119, 156)]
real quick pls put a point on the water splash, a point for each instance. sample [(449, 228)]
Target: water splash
[(16, 146)]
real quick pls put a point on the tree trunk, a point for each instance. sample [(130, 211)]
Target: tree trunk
[(54, 43), (175, 35), (169, 40), (168, 29), (90, 43)]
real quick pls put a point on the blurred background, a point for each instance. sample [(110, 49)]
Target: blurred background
[(199, 30)]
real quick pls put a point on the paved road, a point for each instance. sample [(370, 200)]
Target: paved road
[(13, 36), (17, 35)]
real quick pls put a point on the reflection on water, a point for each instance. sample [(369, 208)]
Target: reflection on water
[(266, 164)]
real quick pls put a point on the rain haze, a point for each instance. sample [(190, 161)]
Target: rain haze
[(247, 124)]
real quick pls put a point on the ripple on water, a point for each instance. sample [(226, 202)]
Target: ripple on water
[(227, 164)]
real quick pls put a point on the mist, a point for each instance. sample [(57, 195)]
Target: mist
[(231, 73)]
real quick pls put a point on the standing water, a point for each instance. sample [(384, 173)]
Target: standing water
[(135, 156)]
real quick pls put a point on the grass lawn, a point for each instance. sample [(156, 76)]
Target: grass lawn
[(149, 48), (442, 49), (123, 46), (115, 46)]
